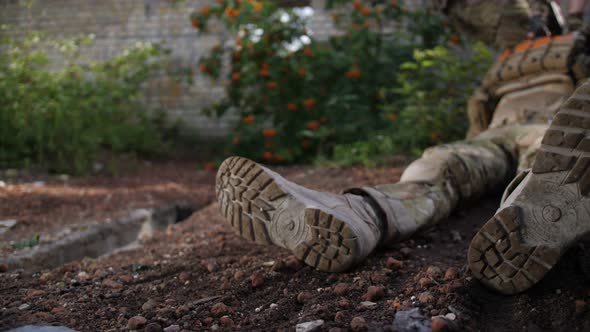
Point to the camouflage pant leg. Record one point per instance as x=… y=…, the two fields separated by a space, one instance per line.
x=451 y=174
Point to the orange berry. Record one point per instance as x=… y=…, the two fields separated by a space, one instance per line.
x=354 y=73
x=435 y=136
x=391 y=117
x=313 y=125
x=269 y=133
x=365 y=11
x=205 y=11
x=292 y=107
x=203 y=68
x=307 y=51
x=209 y=166
x=455 y=40
x=271 y=85
x=236 y=76
x=236 y=141
x=231 y=12
x=264 y=73
x=196 y=23
x=357 y=5
x=257 y=7
x=248 y=119
x=265 y=66
x=302 y=72
x=267 y=156
x=309 y=103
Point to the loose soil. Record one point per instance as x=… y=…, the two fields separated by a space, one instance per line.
x=199 y=275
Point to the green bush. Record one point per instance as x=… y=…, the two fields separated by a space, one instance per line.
x=299 y=97
x=64 y=119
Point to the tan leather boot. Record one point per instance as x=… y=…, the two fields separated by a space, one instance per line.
x=328 y=232
x=545 y=210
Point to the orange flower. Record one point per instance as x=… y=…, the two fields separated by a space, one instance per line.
x=323 y=119
x=236 y=56
x=205 y=11
x=271 y=85
x=264 y=66
x=264 y=73
x=313 y=125
x=307 y=51
x=306 y=143
x=357 y=4
x=302 y=72
x=203 y=68
x=267 y=156
x=236 y=76
x=231 y=12
x=269 y=133
x=257 y=6
x=435 y=136
x=354 y=73
x=365 y=11
x=209 y=166
x=309 y=103
x=236 y=141
x=248 y=119
x=455 y=40
x=292 y=107
x=391 y=117
x=196 y=23
x=279 y=157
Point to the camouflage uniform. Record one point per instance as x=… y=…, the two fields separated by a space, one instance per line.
x=508 y=116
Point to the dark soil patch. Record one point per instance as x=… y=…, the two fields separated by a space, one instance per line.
x=181 y=275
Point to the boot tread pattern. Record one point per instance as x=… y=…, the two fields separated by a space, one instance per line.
x=500 y=259
x=248 y=199
x=566 y=144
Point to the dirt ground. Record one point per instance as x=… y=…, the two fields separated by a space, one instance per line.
x=199 y=275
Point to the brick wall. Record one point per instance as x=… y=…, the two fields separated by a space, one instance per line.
x=118 y=24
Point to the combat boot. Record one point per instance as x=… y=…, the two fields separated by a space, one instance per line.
x=545 y=210
x=327 y=231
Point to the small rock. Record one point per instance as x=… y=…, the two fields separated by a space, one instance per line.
x=172 y=328
x=407 y=252
x=440 y=324
x=212 y=267
x=581 y=306
x=149 y=305
x=341 y=289
x=279 y=265
x=309 y=326
x=344 y=303
x=425 y=298
x=339 y=317
x=411 y=320
x=273 y=306
x=180 y=311
x=184 y=276
x=220 y=309
x=374 y=293
x=456 y=236
x=304 y=297
x=293 y=263
x=3 y=268
x=24 y=306
x=394 y=264
x=112 y=284
x=257 y=280
x=434 y=272
x=239 y=275
x=152 y=327
x=368 y=305
x=451 y=274
x=426 y=282
x=358 y=324
x=226 y=321
x=45 y=277
x=136 y=322
x=451 y=316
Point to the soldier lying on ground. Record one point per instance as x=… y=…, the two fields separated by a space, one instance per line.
x=544 y=210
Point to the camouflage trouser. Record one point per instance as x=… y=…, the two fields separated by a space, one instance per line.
x=503 y=23
x=453 y=174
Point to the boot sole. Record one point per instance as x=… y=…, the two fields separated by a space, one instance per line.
x=524 y=240
x=259 y=209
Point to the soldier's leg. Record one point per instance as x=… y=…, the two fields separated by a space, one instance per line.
x=546 y=212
